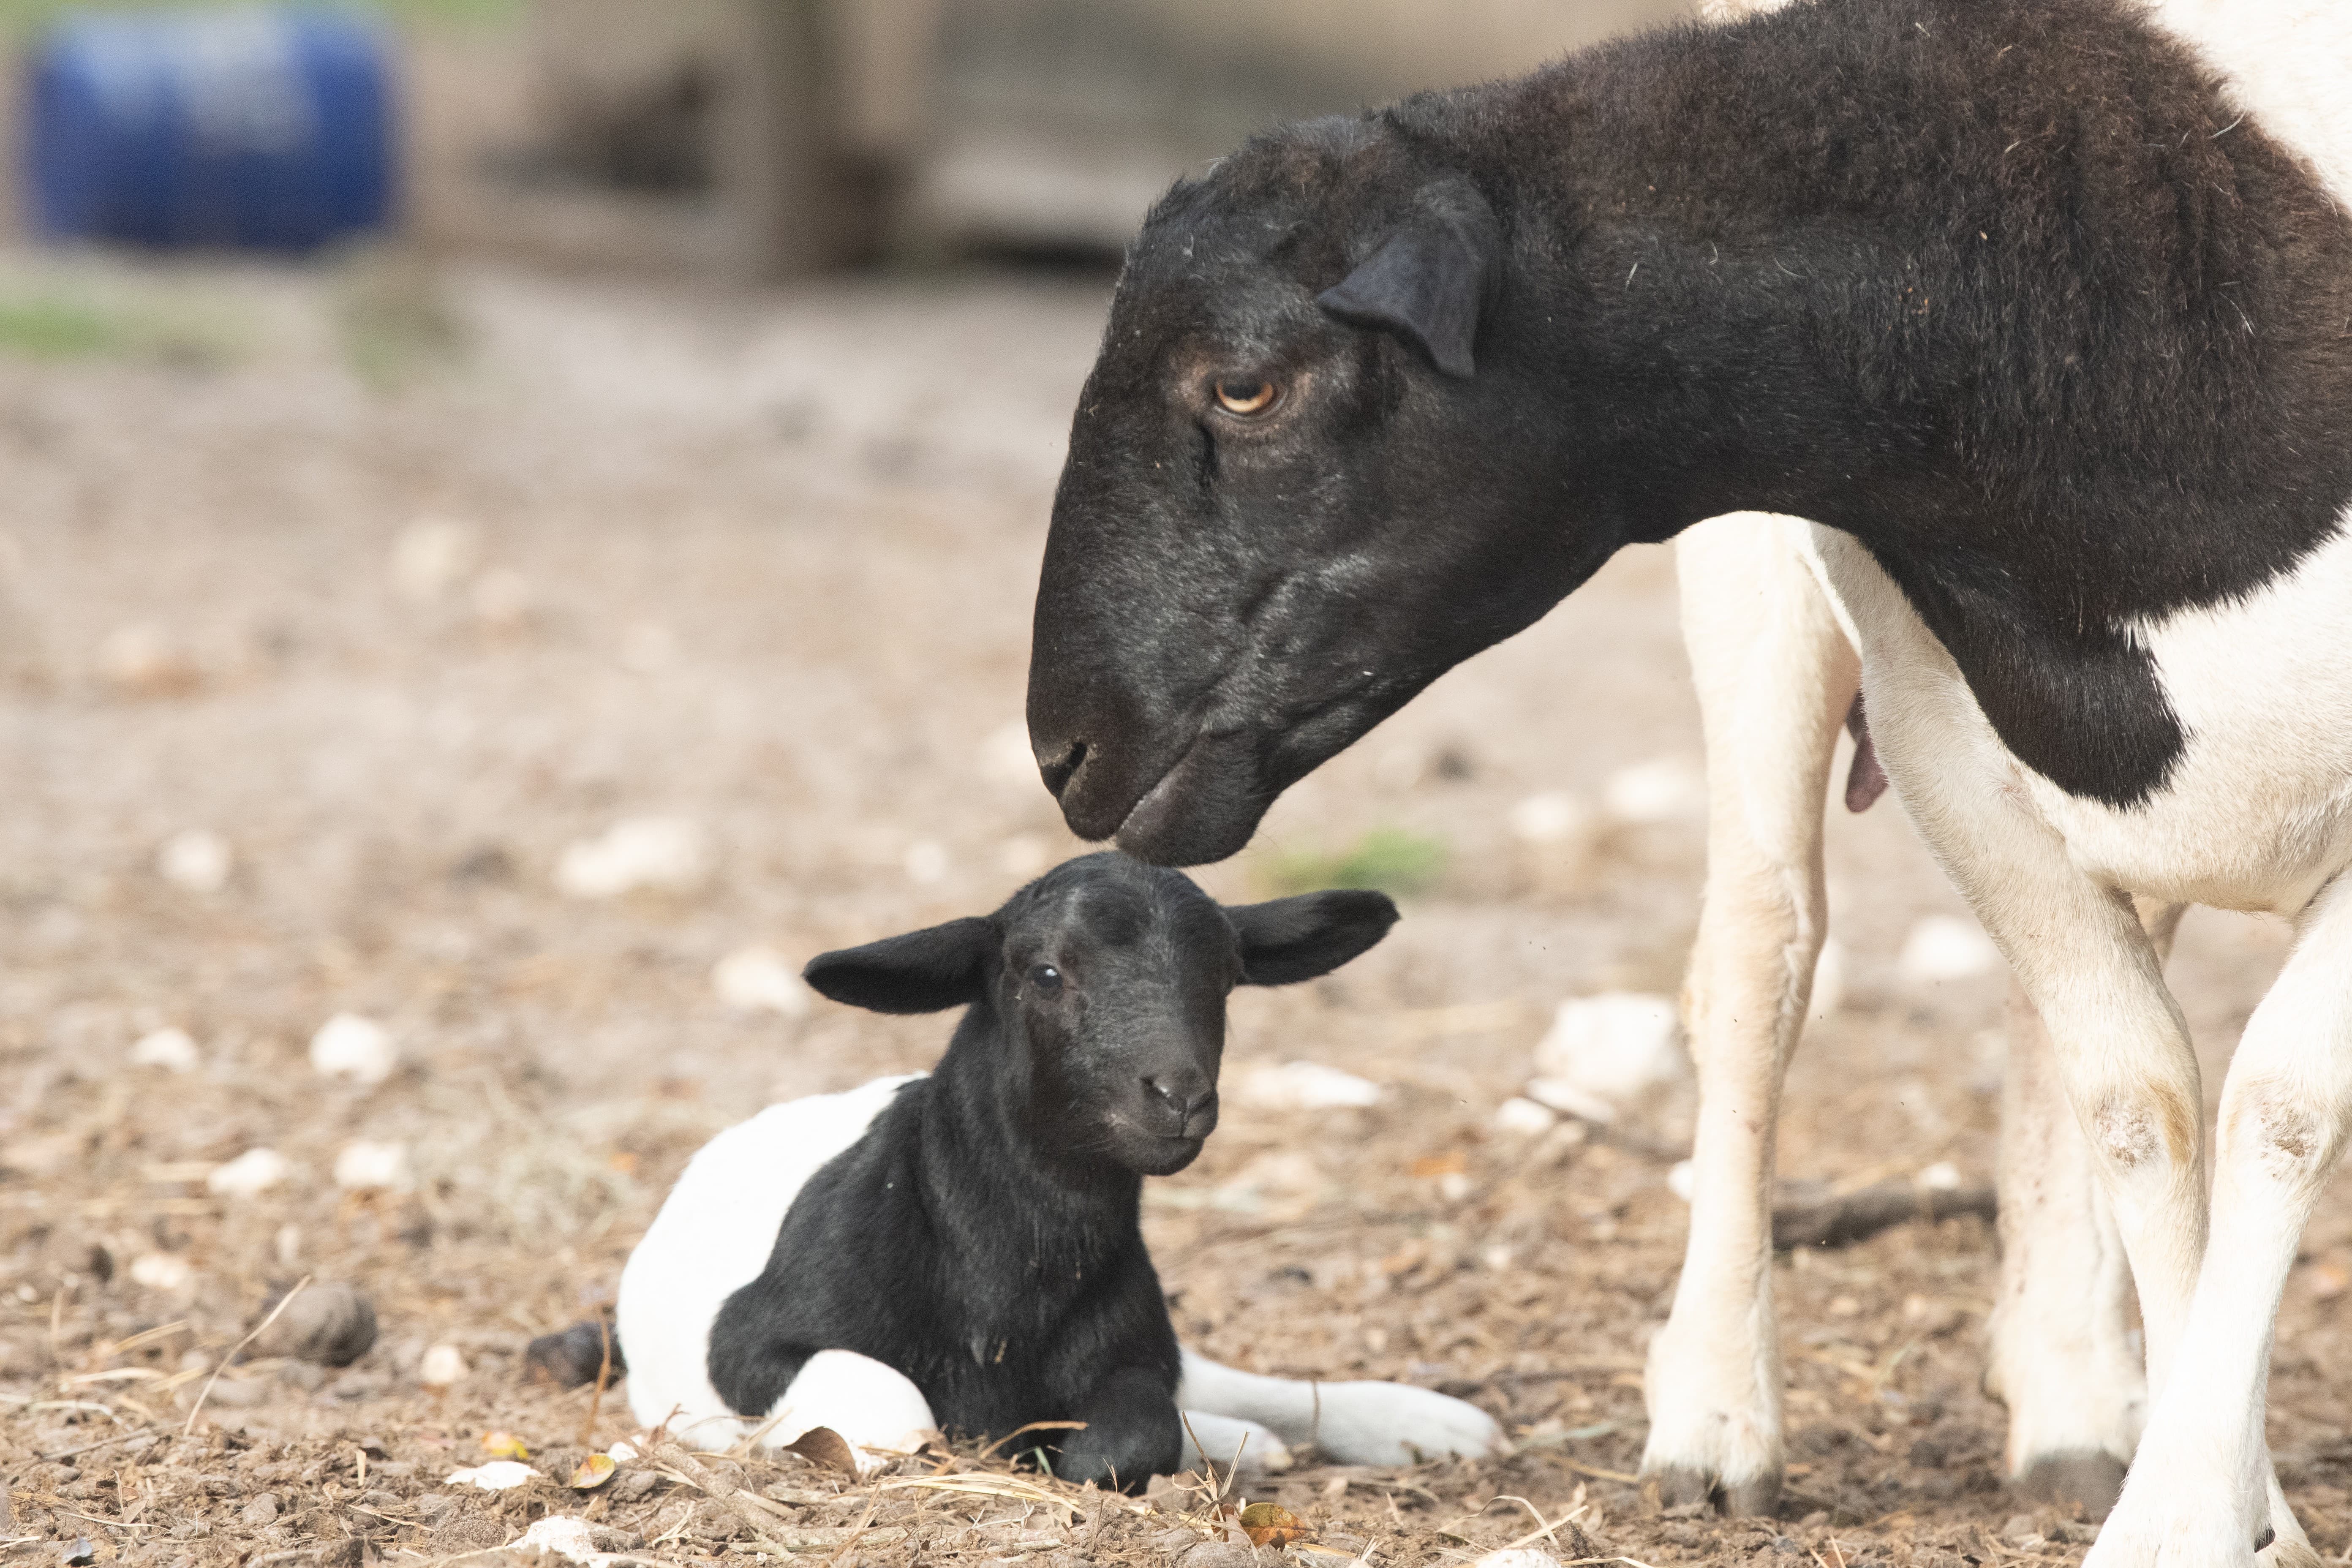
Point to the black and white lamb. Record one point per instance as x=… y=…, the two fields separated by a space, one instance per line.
x=961 y=1248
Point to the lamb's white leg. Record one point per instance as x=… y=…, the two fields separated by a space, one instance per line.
x=2202 y=1489
x=1230 y=1442
x=1775 y=676
x=1350 y=1423
x=876 y=1407
x=2062 y=1356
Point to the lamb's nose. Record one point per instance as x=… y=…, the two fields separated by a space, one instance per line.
x=1058 y=772
x=1186 y=1093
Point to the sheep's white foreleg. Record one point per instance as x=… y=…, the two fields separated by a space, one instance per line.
x=1350 y=1423
x=1776 y=675
x=1229 y=1443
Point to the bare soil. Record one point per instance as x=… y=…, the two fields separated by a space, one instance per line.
x=764 y=562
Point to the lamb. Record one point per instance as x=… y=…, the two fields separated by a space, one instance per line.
x=2033 y=311
x=962 y=1248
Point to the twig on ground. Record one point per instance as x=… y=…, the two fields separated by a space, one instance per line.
x=205 y=1393
x=1840 y=1220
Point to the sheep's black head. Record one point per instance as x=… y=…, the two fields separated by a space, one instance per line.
x=1318 y=463
x=1109 y=979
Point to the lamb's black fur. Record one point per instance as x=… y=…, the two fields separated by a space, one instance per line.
x=2005 y=289
x=982 y=1237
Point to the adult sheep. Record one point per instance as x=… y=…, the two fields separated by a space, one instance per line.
x=2035 y=308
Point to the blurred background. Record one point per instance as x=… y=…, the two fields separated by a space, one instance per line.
x=518 y=525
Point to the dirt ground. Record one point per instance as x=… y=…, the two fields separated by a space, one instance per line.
x=399 y=589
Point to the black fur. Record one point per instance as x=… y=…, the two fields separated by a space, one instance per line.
x=982 y=1236
x=2005 y=289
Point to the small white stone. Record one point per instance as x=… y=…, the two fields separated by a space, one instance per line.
x=1829 y=981
x=1551 y=817
x=1944 y=947
x=196 y=859
x=1664 y=789
x=498 y=1475
x=665 y=852
x=1683 y=1180
x=432 y=555
x=1567 y=1099
x=1304 y=1086
x=622 y=1452
x=758 y=980
x=927 y=862
x=165 y=1271
x=562 y=1535
x=1454 y=1187
x=1524 y=1118
x=349 y=1046
x=255 y=1171
x=1615 y=1048
x=1005 y=756
x=1943 y=1176
x=443 y=1367
x=171 y=1049
x=371 y=1167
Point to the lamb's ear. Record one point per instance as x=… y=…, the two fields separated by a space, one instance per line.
x=1432 y=278
x=921 y=972
x=1314 y=933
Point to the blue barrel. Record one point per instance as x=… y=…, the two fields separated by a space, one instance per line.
x=255 y=129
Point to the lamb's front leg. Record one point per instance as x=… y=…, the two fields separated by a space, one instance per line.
x=1132 y=1433
x=1776 y=677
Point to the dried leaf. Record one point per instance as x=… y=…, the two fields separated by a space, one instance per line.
x=504 y=1446
x=593 y=1472
x=826 y=1447
x=1451 y=1164
x=1271 y=1524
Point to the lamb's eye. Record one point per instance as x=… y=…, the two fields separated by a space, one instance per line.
x=1046 y=980
x=1245 y=397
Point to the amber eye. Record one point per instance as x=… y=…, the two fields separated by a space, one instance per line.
x=1245 y=395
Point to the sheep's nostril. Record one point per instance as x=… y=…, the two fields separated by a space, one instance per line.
x=1185 y=1098
x=1058 y=772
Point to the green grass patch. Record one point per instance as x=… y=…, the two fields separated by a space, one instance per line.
x=48 y=327
x=1394 y=861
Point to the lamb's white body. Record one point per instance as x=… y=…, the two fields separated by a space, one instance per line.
x=719 y=1224
x=2256 y=815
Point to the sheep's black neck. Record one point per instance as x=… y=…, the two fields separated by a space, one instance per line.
x=2032 y=314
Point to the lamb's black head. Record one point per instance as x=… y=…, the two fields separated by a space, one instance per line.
x=1317 y=464
x=1107 y=979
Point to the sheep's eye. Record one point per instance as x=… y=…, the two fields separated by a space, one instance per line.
x=1245 y=397
x=1046 y=980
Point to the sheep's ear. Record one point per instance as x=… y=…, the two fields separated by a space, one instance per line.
x=921 y=972
x=1432 y=278
x=1314 y=933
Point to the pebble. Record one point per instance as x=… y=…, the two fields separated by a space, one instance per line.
x=443 y=1367
x=262 y=1510
x=1614 y=1047
x=667 y=853
x=1664 y=789
x=330 y=1324
x=197 y=860
x=1553 y=818
x=349 y=1046
x=252 y=1173
x=758 y=980
x=146 y=661
x=1005 y=757
x=1944 y=947
x=1829 y=981
x=432 y=555
x=498 y=1476
x=1524 y=1118
x=370 y=1167
x=927 y=863
x=1304 y=1086
x=1683 y=1180
x=161 y=1271
x=171 y=1049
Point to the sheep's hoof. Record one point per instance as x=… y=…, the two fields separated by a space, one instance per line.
x=2090 y=1478
x=1679 y=1486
